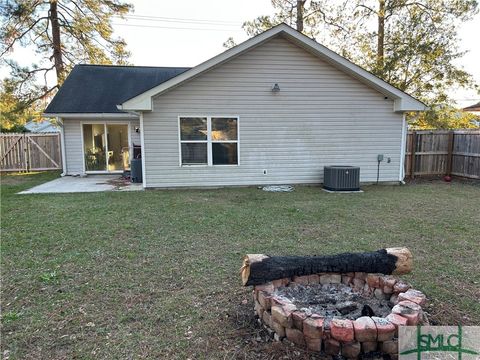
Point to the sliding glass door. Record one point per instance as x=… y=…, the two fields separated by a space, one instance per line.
x=118 y=147
x=106 y=147
x=95 y=147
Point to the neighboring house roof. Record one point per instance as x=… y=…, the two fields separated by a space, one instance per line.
x=473 y=108
x=99 y=88
x=402 y=101
x=41 y=126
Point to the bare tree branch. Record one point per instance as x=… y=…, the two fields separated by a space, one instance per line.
x=20 y=37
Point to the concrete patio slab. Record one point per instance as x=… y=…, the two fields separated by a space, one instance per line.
x=91 y=183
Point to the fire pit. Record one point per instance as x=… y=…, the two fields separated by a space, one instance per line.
x=354 y=314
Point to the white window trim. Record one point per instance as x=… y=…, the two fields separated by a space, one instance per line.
x=209 y=141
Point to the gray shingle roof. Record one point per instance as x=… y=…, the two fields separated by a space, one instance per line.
x=100 y=88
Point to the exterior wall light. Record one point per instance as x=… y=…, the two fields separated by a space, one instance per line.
x=275 y=88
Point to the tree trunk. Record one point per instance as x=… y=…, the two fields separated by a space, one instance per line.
x=258 y=268
x=381 y=34
x=300 y=5
x=56 y=42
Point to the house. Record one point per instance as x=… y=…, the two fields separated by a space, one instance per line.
x=475 y=110
x=43 y=126
x=273 y=110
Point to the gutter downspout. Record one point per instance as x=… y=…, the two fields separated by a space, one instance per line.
x=403 y=146
x=62 y=145
x=142 y=143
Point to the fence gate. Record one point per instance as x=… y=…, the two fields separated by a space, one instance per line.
x=30 y=152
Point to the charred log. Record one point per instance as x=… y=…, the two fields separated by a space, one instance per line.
x=258 y=268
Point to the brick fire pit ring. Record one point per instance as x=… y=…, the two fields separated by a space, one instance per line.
x=338 y=335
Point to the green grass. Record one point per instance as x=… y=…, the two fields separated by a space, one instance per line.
x=155 y=274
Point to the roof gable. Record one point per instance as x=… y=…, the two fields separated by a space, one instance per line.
x=402 y=101
x=99 y=88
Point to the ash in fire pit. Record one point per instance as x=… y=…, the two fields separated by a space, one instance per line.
x=340 y=313
x=345 y=304
x=333 y=300
x=352 y=314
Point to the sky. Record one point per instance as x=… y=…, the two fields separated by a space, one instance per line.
x=188 y=32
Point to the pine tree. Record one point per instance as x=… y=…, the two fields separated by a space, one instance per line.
x=412 y=44
x=62 y=33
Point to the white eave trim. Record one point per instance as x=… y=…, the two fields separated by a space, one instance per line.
x=402 y=101
x=91 y=116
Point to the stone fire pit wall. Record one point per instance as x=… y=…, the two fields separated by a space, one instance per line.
x=350 y=338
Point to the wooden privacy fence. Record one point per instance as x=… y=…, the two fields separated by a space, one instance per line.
x=443 y=152
x=30 y=152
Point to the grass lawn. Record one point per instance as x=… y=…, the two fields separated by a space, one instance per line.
x=155 y=274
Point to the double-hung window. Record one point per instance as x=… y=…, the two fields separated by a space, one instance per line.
x=210 y=140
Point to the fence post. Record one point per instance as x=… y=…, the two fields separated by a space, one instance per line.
x=413 y=144
x=29 y=153
x=450 y=153
x=59 y=147
x=25 y=151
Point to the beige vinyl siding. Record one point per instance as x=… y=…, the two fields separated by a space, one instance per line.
x=135 y=135
x=73 y=146
x=73 y=141
x=320 y=117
